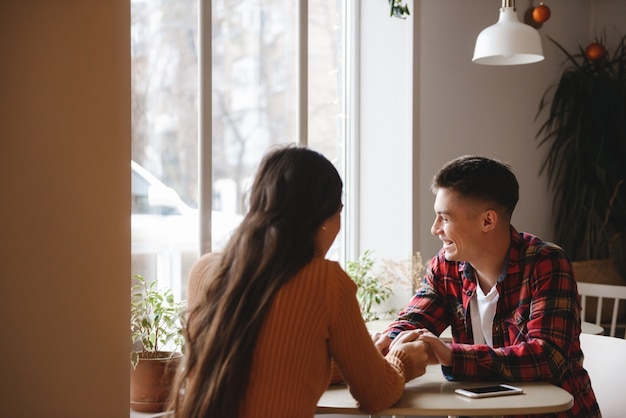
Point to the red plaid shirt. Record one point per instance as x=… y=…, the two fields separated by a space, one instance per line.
x=536 y=326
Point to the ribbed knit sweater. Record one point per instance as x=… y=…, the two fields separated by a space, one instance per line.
x=314 y=318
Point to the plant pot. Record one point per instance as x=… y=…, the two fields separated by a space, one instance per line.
x=603 y=272
x=151 y=382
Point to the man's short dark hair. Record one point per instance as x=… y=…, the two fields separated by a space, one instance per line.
x=480 y=178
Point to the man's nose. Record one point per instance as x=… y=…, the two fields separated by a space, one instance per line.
x=434 y=228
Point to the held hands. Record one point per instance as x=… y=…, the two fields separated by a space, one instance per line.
x=408 y=342
x=437 y=350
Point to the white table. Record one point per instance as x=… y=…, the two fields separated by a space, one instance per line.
x=431 y=394
x=605 y=360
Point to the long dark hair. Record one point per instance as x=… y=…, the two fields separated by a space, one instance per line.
x=295 y=190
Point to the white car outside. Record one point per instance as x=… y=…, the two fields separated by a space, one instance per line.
x=165 y=232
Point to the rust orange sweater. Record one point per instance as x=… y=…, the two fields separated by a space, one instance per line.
x=314 y=318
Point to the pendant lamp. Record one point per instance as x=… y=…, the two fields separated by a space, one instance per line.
x=508 y=42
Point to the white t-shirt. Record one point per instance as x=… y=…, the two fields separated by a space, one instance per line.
x=482 y=311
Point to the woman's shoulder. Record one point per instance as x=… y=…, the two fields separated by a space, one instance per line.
x=326 y=265
x=205 y=265
x=201 y=273
x=329 y=271
x=208 y=259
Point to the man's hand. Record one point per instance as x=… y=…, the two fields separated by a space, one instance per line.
x=439 y=350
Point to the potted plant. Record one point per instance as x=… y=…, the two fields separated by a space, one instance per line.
x=156 y=326
x=585 y=132
x=373 y=289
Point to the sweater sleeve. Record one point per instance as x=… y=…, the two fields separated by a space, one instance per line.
x=375 y=382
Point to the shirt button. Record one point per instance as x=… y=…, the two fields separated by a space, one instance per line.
x=468 y=293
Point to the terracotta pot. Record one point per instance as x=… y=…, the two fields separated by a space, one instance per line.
x=151 y=382
x=603 y=272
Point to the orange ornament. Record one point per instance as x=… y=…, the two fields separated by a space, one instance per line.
x=541 y=13
x=595 y=51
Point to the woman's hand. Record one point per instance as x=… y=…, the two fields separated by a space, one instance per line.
x=382 y=342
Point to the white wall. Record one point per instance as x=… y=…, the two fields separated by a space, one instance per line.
x=385 y=129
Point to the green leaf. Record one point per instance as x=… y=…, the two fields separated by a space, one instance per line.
x=134 y=359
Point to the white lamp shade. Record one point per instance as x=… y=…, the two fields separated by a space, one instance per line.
x=508 y=42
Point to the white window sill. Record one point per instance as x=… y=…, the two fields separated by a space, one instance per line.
x=135 y=414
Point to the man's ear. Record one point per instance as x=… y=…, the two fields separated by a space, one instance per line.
x=490 y=220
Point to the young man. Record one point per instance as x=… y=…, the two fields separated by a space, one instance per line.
x=510 y=298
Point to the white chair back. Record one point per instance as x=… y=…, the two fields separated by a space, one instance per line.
x=602 y=292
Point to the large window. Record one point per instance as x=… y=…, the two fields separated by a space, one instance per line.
x=256 y=102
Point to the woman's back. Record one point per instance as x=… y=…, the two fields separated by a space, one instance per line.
x=291 y=364
x=314 y=314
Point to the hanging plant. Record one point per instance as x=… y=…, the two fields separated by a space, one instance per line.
x=585 y=132
x=398 y=9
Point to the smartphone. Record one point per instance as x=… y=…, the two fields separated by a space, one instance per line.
x=487 y=391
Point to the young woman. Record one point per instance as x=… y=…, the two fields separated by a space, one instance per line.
x=269 y=313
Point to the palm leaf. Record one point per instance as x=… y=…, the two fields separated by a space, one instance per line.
x=585 y=133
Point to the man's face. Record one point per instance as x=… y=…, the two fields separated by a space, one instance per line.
x=458 y=224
